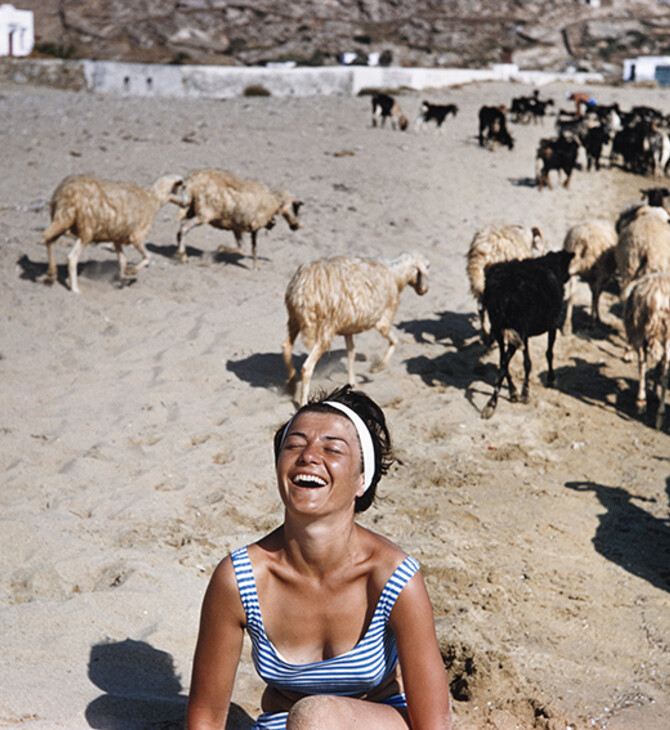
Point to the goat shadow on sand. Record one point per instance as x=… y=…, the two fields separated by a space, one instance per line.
x=630 y=536
x=94 y=270
x=141 y=690
x=461 y=367
x=223 y=256
x=523 y=182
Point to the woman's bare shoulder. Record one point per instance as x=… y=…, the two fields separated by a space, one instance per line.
x=385 y=555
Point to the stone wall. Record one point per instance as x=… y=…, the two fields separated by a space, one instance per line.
x=224 y=82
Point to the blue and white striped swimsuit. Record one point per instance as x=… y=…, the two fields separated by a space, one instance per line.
x=359 y=670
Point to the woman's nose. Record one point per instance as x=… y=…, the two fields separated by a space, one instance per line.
x=308 y=453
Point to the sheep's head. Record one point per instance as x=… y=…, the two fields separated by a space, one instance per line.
x=290 y=210
x=170 y=189
x=419 y=277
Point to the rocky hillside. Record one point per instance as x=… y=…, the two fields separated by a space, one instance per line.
x=532 y=33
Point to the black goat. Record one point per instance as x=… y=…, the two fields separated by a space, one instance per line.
x=524 y=299
x=556 y=154
x=385 y=106
x=493 y=127
x=435 y=113
x=594 y=140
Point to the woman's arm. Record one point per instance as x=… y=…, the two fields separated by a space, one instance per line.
x=423 y=673
x=217 y=652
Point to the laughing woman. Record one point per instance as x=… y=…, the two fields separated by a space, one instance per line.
x=340 y=621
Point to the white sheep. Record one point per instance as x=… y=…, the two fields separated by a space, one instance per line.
x=644 y=244
x=492 y=245
x=647 y=323
x=593 y=243
x=225 y=201
x=95 y=210
x=346 y=296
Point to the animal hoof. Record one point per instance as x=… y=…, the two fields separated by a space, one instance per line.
x=524 y=398
x=488 y=410
x=514 y=398
x=49 y=280
x=641 y=406
x=181 y=257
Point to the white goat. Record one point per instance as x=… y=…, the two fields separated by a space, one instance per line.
x=593 y=243
x=647 y=322
x=644 y=244
x=346 y=296
x=492 y=245
x=95 y=210
x=224 y=201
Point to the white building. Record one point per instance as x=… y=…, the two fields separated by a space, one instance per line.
x=17 y=31
x=647 y=68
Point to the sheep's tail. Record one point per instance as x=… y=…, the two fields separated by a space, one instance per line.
x=63 y=219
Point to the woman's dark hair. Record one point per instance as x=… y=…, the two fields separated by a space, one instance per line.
x=373 y=417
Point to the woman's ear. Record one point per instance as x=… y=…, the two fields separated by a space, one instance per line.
x=361 y=489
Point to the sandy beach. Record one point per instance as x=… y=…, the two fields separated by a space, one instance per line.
x=136 y=422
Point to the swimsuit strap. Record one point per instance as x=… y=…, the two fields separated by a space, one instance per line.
x=247 y=585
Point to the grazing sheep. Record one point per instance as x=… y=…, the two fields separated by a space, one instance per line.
x=644 y=244
x=95 y=210
x=647 y=322
x=492 y=245
x=593 y=243
x=224 y=201
x=346 y=296
x=523 y=299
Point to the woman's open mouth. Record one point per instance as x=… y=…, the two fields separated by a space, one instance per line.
x=309 y=481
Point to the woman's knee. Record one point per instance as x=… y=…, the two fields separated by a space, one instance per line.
x=316 y=712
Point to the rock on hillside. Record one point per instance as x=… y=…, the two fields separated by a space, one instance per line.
x=533 y=33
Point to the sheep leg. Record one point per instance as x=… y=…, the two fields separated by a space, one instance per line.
x=146 y=258
x=567 y=325
x=308 y=369
x=487 y=340
x=287 y=351
x=527 y=365
x=238 y=241
x=505 y=357
x=393 y=343
x=660 y=413
x=185 y=226
x=351 y=357
x=123 y=263
x=596 y=289
x=253 y=248
x=72 y=261
x=641 y=402
x=52 y=269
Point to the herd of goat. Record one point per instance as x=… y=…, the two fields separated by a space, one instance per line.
x=519 y=288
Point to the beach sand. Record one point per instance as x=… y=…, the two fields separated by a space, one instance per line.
x=137 y=422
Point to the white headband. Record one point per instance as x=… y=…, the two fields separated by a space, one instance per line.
x=363 y=436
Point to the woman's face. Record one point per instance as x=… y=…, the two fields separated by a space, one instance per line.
x=319 y=466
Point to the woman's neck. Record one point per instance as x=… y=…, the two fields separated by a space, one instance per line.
x=320 y=546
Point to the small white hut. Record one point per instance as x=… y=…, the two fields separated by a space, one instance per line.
x=647 y=68
x=17 y=31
